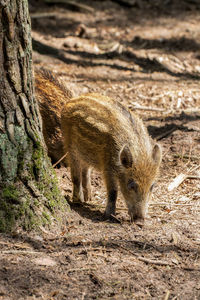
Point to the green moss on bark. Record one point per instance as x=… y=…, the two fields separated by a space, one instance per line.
x=34 y=199
x=47 y=182
x=10 y=193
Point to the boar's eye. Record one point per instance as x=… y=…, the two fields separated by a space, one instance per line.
x=132 y=185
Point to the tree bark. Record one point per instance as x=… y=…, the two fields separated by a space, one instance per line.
x=29 y=195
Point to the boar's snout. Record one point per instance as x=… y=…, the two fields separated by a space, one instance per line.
x=137 y=219
x=138 y=214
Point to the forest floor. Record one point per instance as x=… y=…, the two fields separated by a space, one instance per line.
x=147 y=56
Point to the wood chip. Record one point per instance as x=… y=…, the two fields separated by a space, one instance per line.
x=176 y=181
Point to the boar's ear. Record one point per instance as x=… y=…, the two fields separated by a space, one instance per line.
x=126 y=157
x=157 y=153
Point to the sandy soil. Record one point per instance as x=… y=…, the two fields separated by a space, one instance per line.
x=147 y=56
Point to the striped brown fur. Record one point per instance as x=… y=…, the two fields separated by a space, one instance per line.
x=52 y=94
x=99 y=132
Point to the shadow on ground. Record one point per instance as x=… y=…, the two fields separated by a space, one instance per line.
x=148 y=65
x=87 y=211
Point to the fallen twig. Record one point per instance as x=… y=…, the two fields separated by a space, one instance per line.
x=43 y=15
x=5 y=243
x=177 y=181
x=81 y=269
x=167 y=295
x=183 y=204
x=180 y=178
x=137 y=106
x=147 y=260
x=193 y=169
x=193 y=177
x=115 y=218
x=99 y=248
x=60 y=160
x=191 y=269
x=74 y=3
x=155 y=262
x=20 y=252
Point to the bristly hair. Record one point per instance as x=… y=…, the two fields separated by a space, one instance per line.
x=145 y=170
x=52 y=77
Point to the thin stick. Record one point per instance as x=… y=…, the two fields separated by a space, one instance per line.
x=60 y=160
x=80 y=269
x=5 y=243
x=100 y=248
x=83 y=296
x=193 y=177
x=194 y=169
x=155 y=262
x=167 y=295
x=137 y=106
x=20 y=252
x=147 y=260
x=183 y=204
x=74 y=3
x=43 y=15
x=191 y=269
x=118 y=220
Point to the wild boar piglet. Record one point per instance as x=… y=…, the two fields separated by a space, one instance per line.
x=99 y=132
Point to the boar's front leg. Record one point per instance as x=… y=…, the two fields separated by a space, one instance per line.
x=111 y=185
x=86 y=184
x=75 y=166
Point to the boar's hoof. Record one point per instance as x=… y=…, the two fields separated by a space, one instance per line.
x=139 y=222
x=77 y=200
x=110 y=217
x=87 y=196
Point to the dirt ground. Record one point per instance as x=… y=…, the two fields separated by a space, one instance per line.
x=147 y=56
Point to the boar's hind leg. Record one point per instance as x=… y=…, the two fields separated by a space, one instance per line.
x=75 y=167
x=111 y=185
x=86 y=183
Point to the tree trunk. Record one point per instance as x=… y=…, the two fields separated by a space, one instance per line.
x=29 y=195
